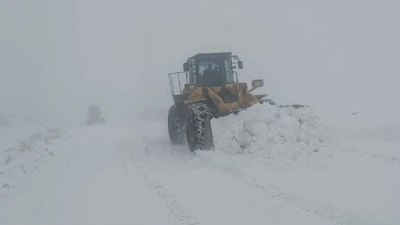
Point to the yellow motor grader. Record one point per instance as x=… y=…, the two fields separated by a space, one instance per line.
x=207 y=88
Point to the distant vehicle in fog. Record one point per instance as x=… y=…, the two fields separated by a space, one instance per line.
x=95 y=117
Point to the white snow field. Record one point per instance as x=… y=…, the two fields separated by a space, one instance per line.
x=270 y=166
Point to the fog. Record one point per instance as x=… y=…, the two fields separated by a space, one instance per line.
x=59 y=57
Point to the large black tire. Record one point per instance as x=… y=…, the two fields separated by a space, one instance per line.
x=198 y=127
x=176 y=126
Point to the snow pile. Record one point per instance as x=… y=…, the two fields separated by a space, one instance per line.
x=18 y=161
x=274 y=134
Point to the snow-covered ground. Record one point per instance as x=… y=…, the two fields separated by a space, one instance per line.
x=270 y=166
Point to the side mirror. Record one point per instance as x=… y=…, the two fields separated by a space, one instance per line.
x=256 y=84
x=185 y=66
x=240 y=64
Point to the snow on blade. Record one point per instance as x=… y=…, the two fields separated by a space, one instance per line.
x=278 y=135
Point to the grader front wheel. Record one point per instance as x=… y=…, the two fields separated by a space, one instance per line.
x=176 y=126
x=198 y=127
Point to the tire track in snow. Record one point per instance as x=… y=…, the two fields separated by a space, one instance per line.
x=177 y=211
x=321 y=210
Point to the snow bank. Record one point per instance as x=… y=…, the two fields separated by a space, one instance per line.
x=24 y=158
x=273 y=134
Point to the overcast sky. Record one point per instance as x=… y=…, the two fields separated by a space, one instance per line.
x=58 y=57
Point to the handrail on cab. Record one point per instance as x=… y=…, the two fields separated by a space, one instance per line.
x=178 y=77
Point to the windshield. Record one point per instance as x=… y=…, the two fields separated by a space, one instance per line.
x=214 y=72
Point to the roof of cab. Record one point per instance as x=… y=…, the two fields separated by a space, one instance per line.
x=212 y=55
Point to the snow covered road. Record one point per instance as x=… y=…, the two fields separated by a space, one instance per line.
x=131 y=174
